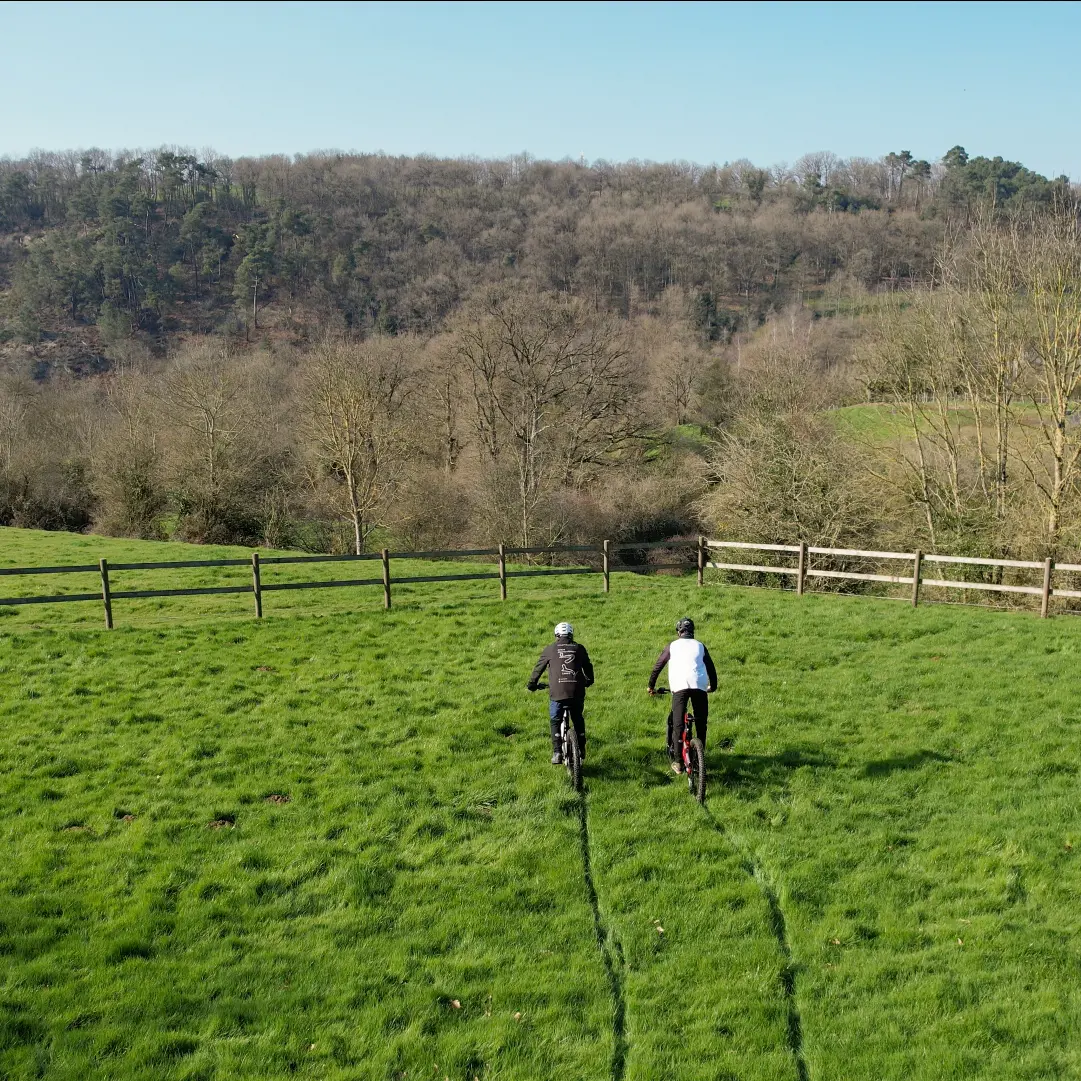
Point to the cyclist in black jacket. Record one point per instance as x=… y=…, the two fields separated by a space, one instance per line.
x=570 y=671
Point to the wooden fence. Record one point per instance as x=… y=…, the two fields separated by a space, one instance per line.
x=105 y=572
x=915 y=578
x=704 y=552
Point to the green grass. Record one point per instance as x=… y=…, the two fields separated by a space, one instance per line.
x=875 y=421
x=885 y=422
x=884 y=882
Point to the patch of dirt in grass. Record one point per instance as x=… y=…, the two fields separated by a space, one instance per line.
x=278 y=798
x=225 y=823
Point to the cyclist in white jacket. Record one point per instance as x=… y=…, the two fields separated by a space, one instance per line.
x=691 y=675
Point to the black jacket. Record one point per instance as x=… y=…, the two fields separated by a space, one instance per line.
x=570 y=670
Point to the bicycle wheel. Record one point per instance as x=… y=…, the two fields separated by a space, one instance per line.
x=696 y=771
x=572 y=758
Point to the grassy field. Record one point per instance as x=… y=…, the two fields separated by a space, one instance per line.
x=329 y=844
x=885 y=422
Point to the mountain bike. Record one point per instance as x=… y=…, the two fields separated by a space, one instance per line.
x=572 y=753
x=693 y=751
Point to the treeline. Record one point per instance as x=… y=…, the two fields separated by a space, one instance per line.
x=98 y=248
x=973 y=444
x=338 y=351
x=532 y=418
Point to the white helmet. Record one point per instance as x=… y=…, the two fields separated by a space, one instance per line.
x=564 y=630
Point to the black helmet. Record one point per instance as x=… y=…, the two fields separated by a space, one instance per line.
x=685 y=626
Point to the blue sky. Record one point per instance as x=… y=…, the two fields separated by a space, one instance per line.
x=701 y=82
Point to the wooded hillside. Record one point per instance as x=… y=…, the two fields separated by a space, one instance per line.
x=310 y=350
x=102 y=247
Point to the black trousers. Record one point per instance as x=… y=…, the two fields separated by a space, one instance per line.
x=699 y=704
x=576 y=706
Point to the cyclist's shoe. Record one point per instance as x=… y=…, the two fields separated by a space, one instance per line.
x=557 y=759
x=677 y=767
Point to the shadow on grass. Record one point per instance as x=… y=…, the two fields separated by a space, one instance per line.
x=747 y=774
x=883 y=767
x=752 y=773
x=649 y=769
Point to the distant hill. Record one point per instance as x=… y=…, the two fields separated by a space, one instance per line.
x=98 y=248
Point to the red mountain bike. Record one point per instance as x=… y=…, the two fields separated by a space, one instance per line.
x=694 y=755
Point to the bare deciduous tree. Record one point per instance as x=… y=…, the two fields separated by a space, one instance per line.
x=913 y=360
x=128 y=461
x=981 y=301
x=786 y=476
x=215 y=458
x=355 y=428
x=446 y=395
x=552 y=387
x=1048 y=257
x=672 y=357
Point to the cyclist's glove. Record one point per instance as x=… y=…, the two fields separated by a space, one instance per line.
x=530 y=686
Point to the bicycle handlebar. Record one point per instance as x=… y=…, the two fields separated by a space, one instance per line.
x=661 y=691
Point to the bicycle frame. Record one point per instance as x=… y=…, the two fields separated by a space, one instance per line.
x=685 y=739
x=690 y=750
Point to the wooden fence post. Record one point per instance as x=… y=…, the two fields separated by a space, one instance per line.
x=801 y=570
x=701 y=560
x=605 y=566
x=1045 y=601
x=386 y=578
x=106 y=594
x=917 y=568
x=256 y=585
x=502 y=572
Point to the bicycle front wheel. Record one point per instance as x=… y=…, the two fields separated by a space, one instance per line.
x=696 y=770
x=572 y=758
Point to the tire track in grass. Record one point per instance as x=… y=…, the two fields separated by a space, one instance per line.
x=610 y=948
x=779 y=927
x=788 y=973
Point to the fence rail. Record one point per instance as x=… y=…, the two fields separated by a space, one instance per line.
x=107 y=594
x=1046 y=591
x=703 y=548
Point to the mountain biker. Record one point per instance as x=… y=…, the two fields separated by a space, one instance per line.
x=691 y=675
x=570 y=671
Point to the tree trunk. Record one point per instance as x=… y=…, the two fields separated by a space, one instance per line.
x=354 y=512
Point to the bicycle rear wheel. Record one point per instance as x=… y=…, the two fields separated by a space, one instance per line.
x=696 y=770
x=572 y=758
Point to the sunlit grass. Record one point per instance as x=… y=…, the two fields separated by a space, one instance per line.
x=884 y=882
